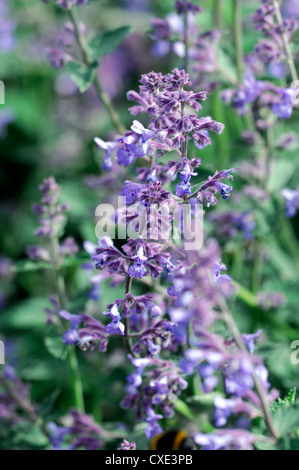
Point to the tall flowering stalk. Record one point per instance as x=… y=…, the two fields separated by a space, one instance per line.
x=52 y=221
x=58 y=57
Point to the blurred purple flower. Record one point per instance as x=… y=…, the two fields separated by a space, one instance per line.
x=292 y=201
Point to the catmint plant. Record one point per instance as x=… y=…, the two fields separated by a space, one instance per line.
x=173 y=324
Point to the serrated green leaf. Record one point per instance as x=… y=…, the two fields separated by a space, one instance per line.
x=285 y=402
x=286 y=420
x=105 y=43
x=81 y=75
x=55 y=345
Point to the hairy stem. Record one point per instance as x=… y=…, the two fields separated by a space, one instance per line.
x=286 y=44
x=186 y=39
x=238 y=38
x=218 y=14
x=126 y=320
x=103 y=96
x=232 y=326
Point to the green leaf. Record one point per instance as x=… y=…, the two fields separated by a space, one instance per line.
x=265 y=445
x=55 y=345
x=33 y=438
x=205 y=400
x=285 y=402
x=283 y=171
x=184 y=409
x=227 y=66
x=27 y=314
x=103 y=44
x=48 y=402
x=24 y=266
x=286 y=420
x=81 y=75
x=245 y=295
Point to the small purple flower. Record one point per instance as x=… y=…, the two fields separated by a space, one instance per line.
x=224 y=189
x=57 y=58
x=224 y=408
x=209 y=379
x=284 y=108
x=137 y=269
x=38 y=253
x=125 y=445
x=292 y=201
x=57 y=435
x=249 y=340
x=226 y=439
x=217 y=268
x=184 y=187
x=271 y=300
x=131 y=191
x=7 y=29
x=109 y=148
x=239 y=378
x=153 y=428
x=115 y=327
x=127 y=154
x=71 y=336
x=140 y=129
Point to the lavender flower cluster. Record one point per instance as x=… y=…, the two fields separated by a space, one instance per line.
x=173 y=33
x=52 y=220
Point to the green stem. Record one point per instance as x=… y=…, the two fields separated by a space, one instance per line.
x=218 y=14
x=256 y=277
x=238 y=38
x=126 y=320
x=248 y=119
x=103 y=96
x=256 y=281
x=286 y=44
x=232 y=326
x=288 y=237
x=186 y=39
